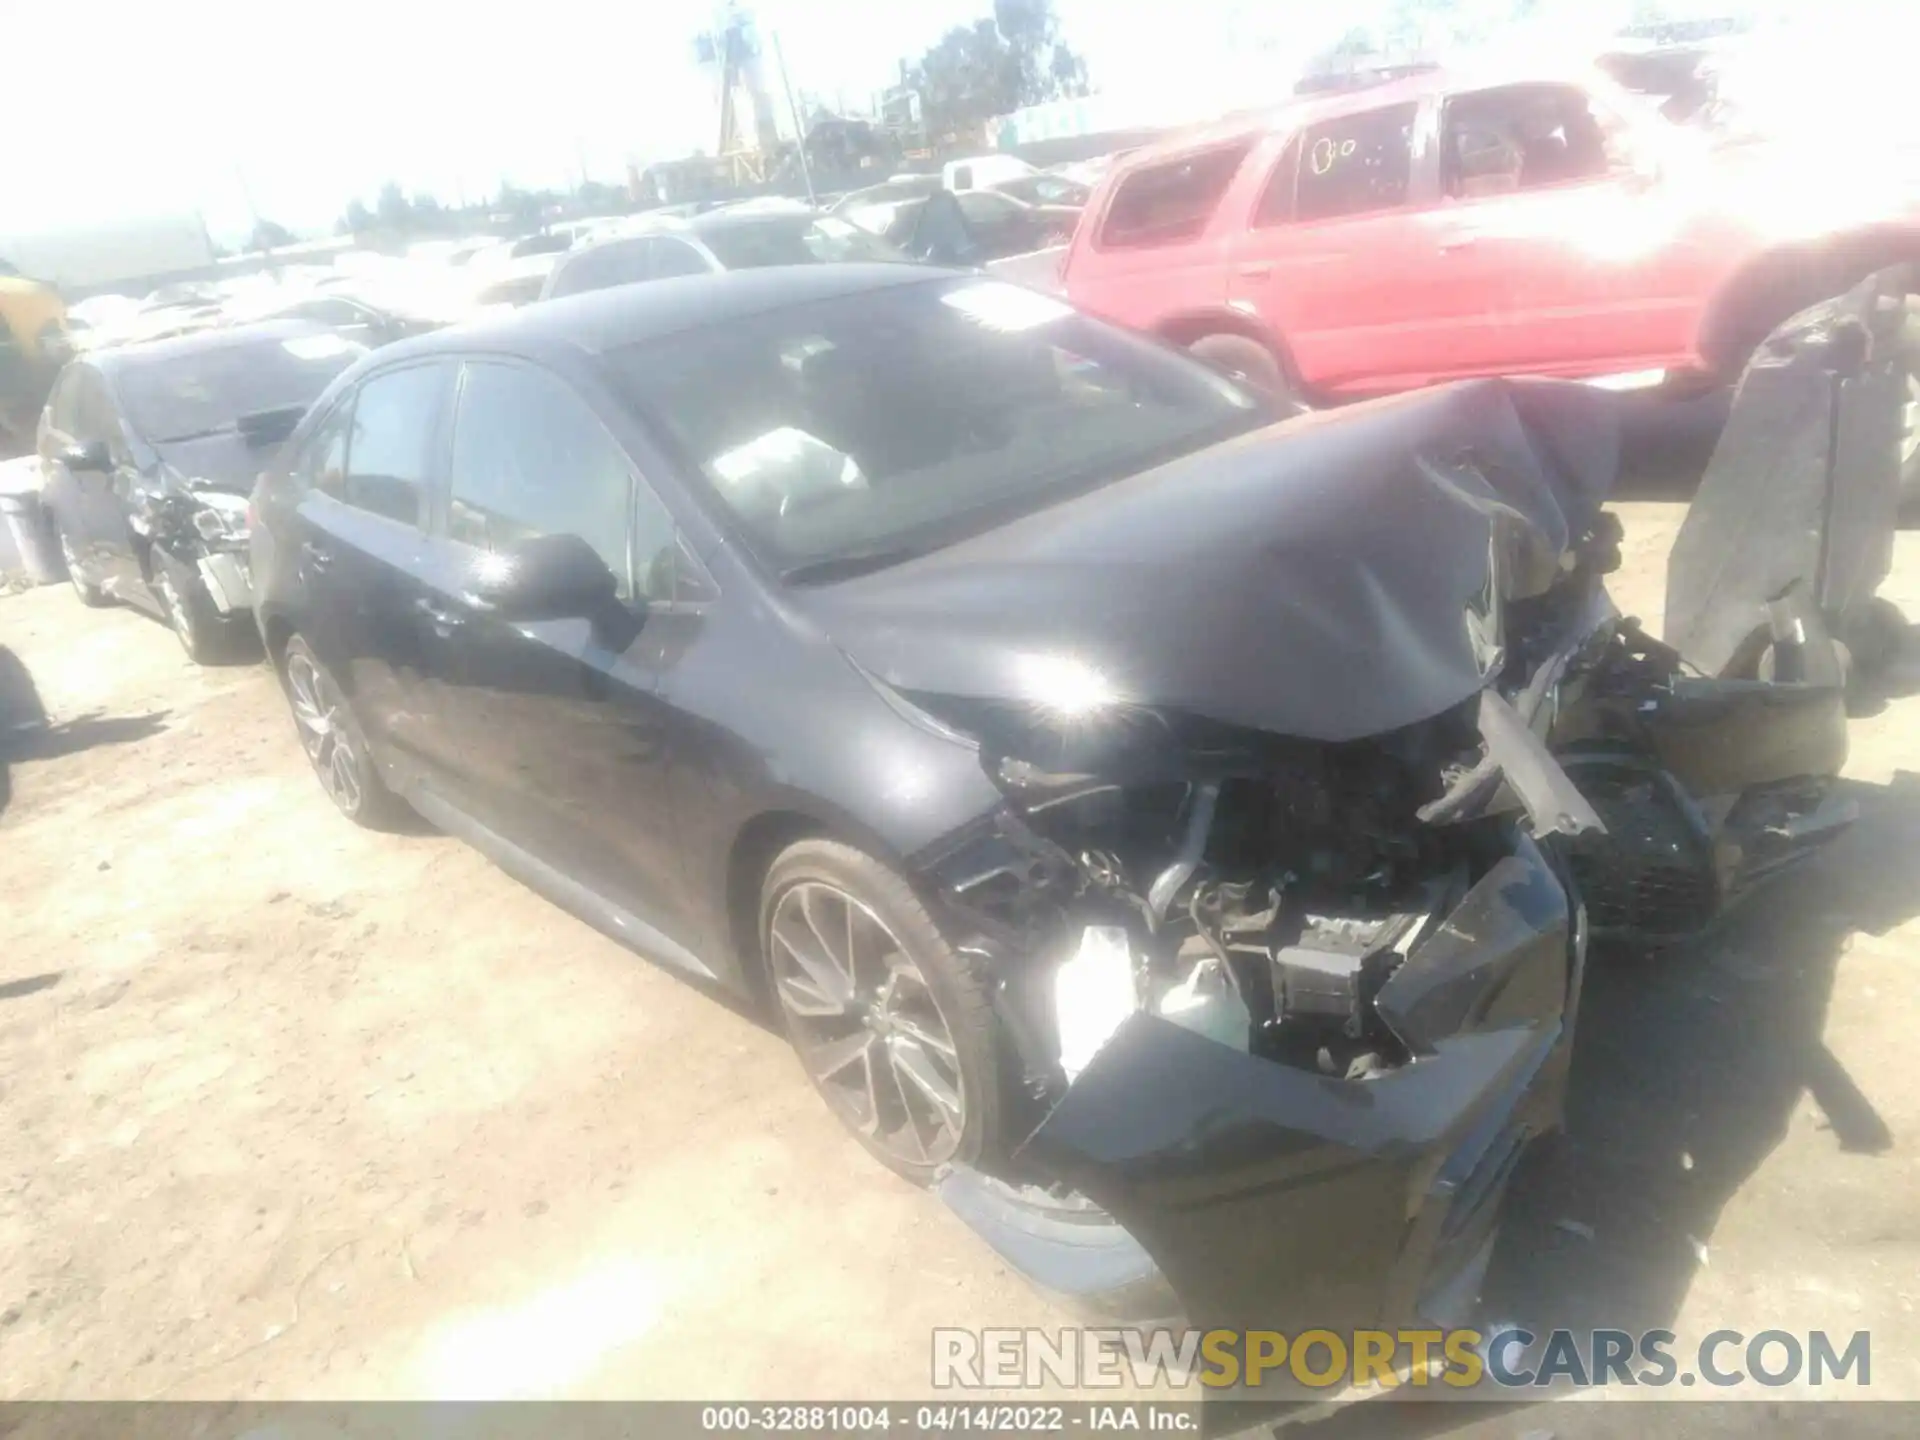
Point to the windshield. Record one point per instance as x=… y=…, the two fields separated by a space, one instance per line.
x=202 y=391
x=1045 y=190
x=895 y=420
x=791 y=240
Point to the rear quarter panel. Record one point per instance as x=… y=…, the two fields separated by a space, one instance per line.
x=1146 y=286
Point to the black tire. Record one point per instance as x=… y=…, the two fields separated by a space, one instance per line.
x=1876 y=633
x=1248 y=361
x=340 y=749
x=189 y=611
x=811 y=871
x=91 y=595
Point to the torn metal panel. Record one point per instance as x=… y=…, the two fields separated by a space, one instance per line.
x=1802 y=492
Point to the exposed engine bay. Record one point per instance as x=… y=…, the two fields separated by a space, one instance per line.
x=1264 y=908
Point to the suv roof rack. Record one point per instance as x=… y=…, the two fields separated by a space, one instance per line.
x=1328 y=82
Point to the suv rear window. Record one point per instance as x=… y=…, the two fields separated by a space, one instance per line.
x=1170 y=202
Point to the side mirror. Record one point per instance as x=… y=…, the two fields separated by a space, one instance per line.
x=547 y=577
x=90 y=456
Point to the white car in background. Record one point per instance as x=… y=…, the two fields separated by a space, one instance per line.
x=983 y=172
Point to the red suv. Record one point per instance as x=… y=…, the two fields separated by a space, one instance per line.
x=1430 y=227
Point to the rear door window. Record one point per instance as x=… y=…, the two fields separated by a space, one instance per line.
x=322 y=462
x=621 y=262
x=1276 y=201
x=392 y=442
x=1170 y=202
x=669 y=257
x=1356 y=165
x=531 y=458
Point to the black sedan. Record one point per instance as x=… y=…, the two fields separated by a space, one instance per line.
x=1002 y=699
x=148 y=453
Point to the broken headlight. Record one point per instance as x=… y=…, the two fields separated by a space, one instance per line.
x=1103 y=982
x=219 y=516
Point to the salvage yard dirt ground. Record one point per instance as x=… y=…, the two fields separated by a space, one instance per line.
x=291 y=1109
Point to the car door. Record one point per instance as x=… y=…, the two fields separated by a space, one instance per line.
x=54 y=438
x=1332 y=257
x=559 y=727
x=1559 y=249
x=109 y=500
x=358 y=535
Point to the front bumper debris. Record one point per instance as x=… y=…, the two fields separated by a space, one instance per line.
x=228 y=582
x=1234 y=1191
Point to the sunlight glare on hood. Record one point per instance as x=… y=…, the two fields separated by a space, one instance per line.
x=1065 y=687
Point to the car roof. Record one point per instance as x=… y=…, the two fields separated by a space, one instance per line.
x=597 y=321
x=219 y=337
x=1319 y=106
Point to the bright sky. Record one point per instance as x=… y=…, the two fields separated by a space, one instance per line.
x=163 y=106
x=119 y=108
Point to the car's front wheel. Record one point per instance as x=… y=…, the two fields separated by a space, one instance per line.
x=206 y=635
x=893 y=1026
x=335 y=744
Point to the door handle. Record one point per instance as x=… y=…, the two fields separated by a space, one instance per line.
x=1256 y=272
x=316 y=557
x=444 y=620
x=1465 y=242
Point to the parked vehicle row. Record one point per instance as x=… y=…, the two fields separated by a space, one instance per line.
x=1448 y=225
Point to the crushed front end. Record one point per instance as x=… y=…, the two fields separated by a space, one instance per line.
x=1282 y=1040
x=206 y=530
x=1315 y=752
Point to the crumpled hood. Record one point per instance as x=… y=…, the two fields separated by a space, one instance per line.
x=1330 y=578
x=226 y=461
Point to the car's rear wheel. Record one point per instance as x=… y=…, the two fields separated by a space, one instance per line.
x=335 y=744
x=89 y=593
x=893 y=1026
x=1249 y=362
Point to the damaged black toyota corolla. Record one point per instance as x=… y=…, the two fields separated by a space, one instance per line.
x=149 y=452
x=1145 y=816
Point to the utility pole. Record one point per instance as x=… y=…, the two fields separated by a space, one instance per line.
x=799 y=126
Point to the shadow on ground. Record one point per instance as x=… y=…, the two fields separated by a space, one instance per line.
x=27 y=734
x=1687 y=1071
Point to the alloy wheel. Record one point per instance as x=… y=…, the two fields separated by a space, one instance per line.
x=866 y=1023
x=319 y=711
